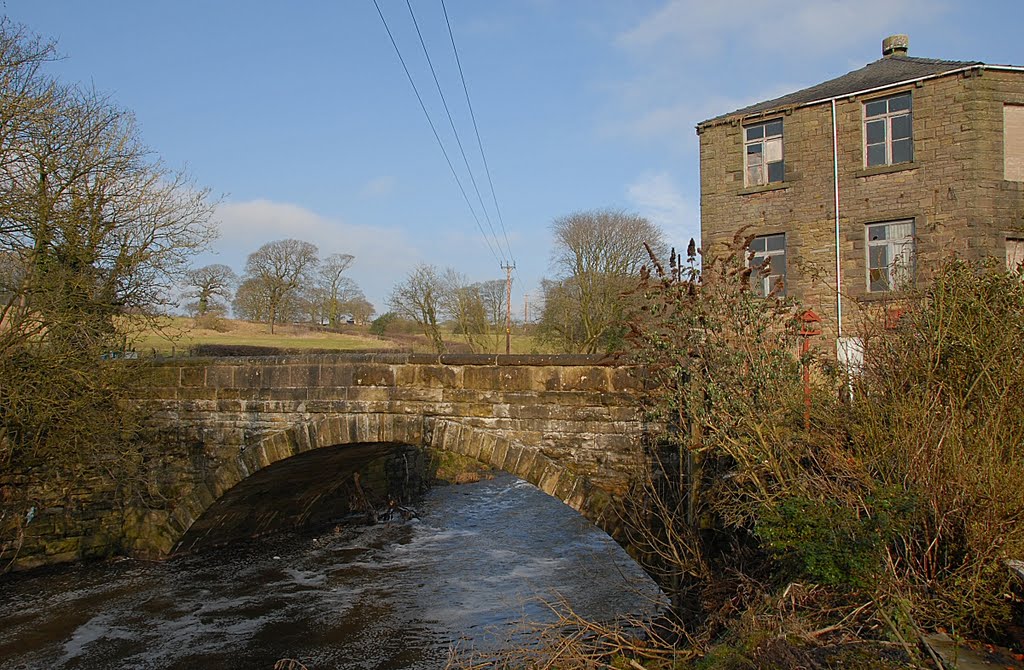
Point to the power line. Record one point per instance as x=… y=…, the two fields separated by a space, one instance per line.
x=451 y=122
x=476 y=129
x=434 y=130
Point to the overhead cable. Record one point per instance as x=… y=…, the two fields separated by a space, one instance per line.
x=451 y=122
x=476 y=129
x=436 y=135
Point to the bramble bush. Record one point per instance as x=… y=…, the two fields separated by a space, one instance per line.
x=890 y=515
x=897 y=507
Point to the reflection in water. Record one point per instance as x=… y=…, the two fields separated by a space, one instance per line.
x=387 y=596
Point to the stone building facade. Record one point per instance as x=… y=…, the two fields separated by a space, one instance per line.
x=860 y=186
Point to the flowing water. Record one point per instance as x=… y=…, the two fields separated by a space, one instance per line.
x=479 y=561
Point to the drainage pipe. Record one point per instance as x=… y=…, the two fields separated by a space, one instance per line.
x=835 y=193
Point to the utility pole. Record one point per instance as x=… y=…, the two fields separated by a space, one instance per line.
x=508 y=306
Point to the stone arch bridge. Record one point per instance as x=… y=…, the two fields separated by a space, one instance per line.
x=250 y=444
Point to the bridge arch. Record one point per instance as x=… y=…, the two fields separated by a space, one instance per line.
x=383 y=431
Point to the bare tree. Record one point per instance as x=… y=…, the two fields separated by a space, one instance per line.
x=419 y=298
x=597 y=255
x=94 y=233
x=207 y=284
x=281 y=267
x=361 y=309
x=312 y=303
x=560 y=324
x=337 y=288
x=463 y=304
x=250 y=301
x=492 y=293
x=100 y=227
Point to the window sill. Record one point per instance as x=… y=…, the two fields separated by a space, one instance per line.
x=777 y=186
x=885 y=169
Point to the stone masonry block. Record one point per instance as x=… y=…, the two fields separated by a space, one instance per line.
x=487 y=445
x=584 y=379
x=246 y=376
x=525 y=464
x=417 y=394
x=373 y=375
x=220 y=376
x=304 y=375
x=335 y=375
x=192 y=376
x=482 y=378
x=539 y=468
x=408 y=429
x=568 y=483
x=497 y=457
x=370 y=393
x=513 y=455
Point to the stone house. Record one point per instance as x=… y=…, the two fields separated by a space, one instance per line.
x=861 y=185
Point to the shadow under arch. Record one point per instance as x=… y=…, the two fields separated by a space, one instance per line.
x=358 y=439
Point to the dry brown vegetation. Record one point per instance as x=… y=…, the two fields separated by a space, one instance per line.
x=838 y=545
x=179 y=334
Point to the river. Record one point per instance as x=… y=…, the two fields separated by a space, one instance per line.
x=478 y=562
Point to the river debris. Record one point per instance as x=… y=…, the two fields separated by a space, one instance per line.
x=289 y=664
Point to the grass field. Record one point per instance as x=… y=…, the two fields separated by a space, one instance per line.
x=179 y=334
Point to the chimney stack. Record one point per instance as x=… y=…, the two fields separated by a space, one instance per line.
x=895 y=45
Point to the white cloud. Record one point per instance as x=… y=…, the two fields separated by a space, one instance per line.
x=656 y=196
x=378 y=187
x=674 y=123
x=245 y=226
x=694 y=59
x=797 y=27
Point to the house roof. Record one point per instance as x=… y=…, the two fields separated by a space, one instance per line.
x=883 y=72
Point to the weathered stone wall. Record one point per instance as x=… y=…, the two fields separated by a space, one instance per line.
x=954 y=188
x=570 y=424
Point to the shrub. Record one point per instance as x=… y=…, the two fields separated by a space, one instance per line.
x=379 y=326
x=939 y=412
x=906 y=496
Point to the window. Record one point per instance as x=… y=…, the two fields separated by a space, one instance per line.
x=768 y=262
x=887 y=131
x=763 y=152
x=890 y=255
x=1014 y=255
x=1013 y=142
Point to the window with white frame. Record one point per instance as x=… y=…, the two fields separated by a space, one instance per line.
x=888 y=131
x=762 y=146
x=1015 y=255
x=1013 y=142
x=767 y=258
x=890 y=255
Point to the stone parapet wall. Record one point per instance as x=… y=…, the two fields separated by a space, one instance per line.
x=570 y=424
x=578 y=408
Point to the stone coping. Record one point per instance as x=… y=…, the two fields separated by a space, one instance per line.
x=391 y=358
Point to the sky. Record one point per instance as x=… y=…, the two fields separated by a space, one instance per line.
x=299 y=118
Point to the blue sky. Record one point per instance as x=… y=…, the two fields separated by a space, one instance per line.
x=299 y=113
